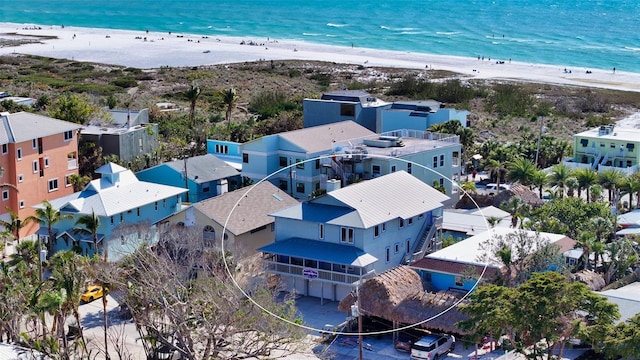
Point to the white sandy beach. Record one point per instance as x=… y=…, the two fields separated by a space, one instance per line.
x=153 y=50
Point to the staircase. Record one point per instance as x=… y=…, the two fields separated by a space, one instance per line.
x=596 y=161
x=425 y=243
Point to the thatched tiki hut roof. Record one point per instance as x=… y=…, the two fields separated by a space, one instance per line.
x=397 y=295
x=520 y=191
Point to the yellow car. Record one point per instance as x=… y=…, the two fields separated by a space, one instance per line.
x=93 y=292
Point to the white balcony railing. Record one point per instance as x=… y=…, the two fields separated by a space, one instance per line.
x=327 y=275
x=72 y=164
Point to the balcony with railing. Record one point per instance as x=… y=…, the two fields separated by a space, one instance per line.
x=342 y=277
x=72 y=164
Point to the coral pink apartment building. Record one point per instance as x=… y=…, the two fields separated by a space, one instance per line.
x=38 y=153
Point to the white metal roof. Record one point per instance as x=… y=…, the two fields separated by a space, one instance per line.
x=395 y=195
x=321 y=138
x=617 y=133
x=106 y=198
x=470 y=251
x=24 y=126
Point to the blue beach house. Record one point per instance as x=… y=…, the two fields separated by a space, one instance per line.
x=324 y=247
x=456 y=267
x=205 y=176
x=227 y=151
x=343 y=105
x=418 y=115
x=126 y=207
x=268 y=154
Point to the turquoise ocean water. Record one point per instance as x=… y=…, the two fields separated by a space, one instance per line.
x=570 y=33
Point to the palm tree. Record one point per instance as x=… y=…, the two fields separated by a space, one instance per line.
x=572 y=185
x=495 y=168
x=15 y=224
x=521 y=170
x=586 y=240
x=229 y=98
x=69 y=277
x=89 y=225
x=468 y=187
x=631 y=185
x=609 y=179
x=79 y=182
x=516 y=208
x=192 y=95
x=558 y=177
x=539 y=180
x=596 y=192
x=48 y=216
x=586 y=177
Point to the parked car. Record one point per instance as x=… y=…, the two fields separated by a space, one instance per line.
x=492 y=188
x=92 y=292
x=433 y=346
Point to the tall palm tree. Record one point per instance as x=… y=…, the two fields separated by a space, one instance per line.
x=192 y=94
x=69 y=276
x=229 y=98
x=631 y=185
x=89 y=225
x=516 y=208
x=521 y=170
x=495 y=168
x=586 y=177
x=539 y=180
x=15 y=224
x=48 y=216
x=586 y=240
x=558 y=177
x=609 y=179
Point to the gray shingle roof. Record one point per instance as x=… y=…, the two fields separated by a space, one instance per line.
x=24 y=126
x=252 y=212
x=204 y=168
x=321 y=138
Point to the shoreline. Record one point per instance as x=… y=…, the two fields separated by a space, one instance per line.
x=145 y=50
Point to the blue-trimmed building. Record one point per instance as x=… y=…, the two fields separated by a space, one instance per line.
x=377 y=115
x=452 y=267
x=326 y=245
x=418 y=115
x=127 y=209
x=205 y=176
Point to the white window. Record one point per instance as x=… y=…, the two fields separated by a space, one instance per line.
x=346 y=235
x=19 y=153
x=400 y=223
x=68 y=135
x=20 y=178
x=67 y=181
x=376 y=231
x=5 y=195
x=35 y=166
x=5 y=148
x=46 y=162
x=21 y=204
x=34 y=143
x=321 y=231
x=53 y=185
x=387 y=254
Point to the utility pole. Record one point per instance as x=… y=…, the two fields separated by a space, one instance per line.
x=359 y=320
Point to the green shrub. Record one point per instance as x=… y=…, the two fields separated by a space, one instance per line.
x=269 y=104
x=125 y=82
